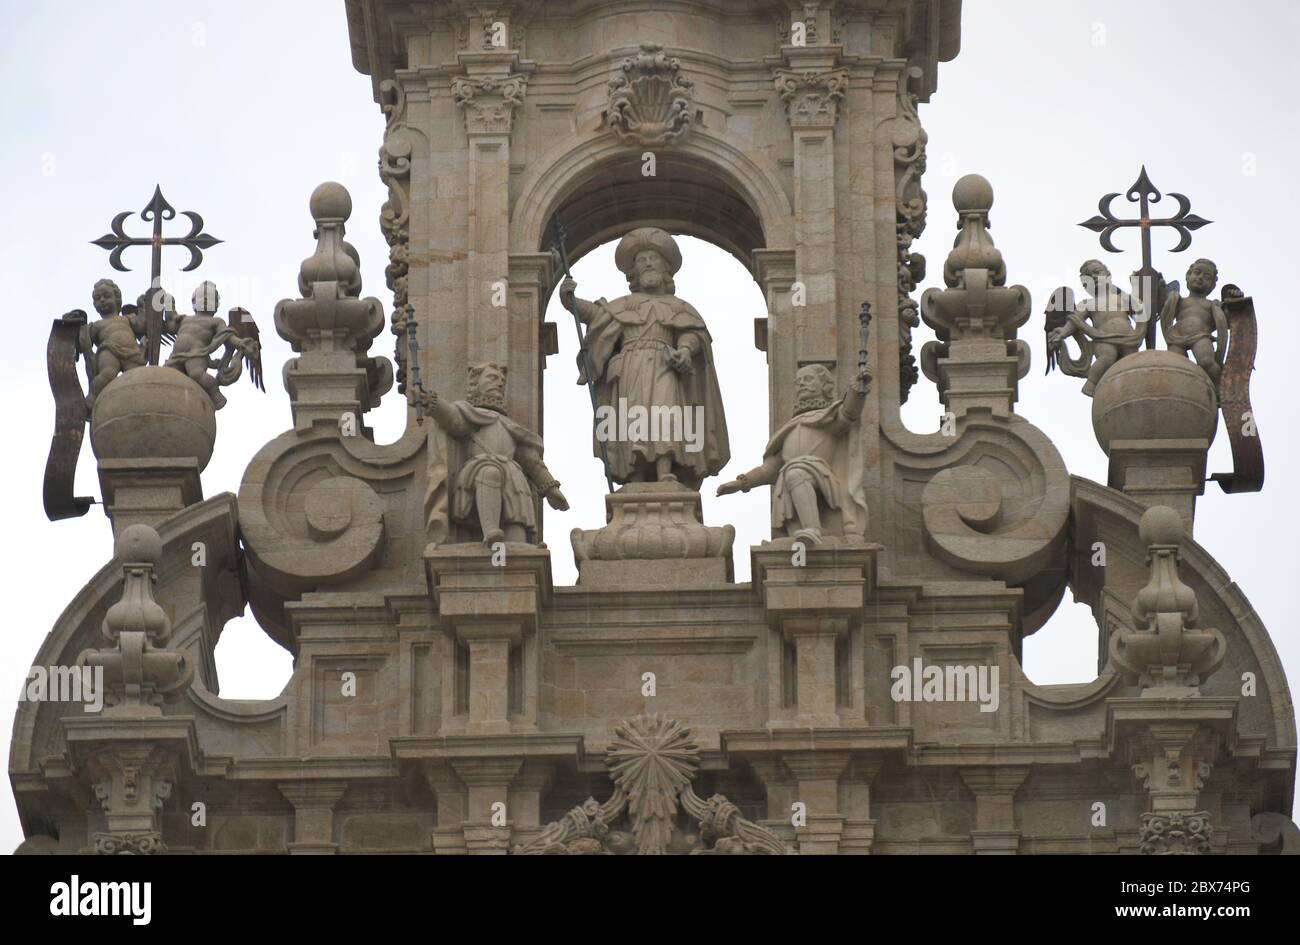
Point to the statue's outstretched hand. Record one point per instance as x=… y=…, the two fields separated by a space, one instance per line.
x=567 y=288
x=727 y=488
x=556 y=500
x=680 y=360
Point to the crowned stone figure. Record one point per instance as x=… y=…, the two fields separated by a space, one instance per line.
x=650 y=358
x=814 y=463
x=501 y=462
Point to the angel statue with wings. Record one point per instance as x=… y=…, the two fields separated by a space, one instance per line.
x=194 y=338
x=1105 y=326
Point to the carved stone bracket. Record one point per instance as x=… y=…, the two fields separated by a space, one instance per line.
x=652 y=762
x=650 y=103
x=811 y=97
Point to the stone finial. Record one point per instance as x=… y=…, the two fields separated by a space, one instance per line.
x=335 y=260
x=977 y=360
x=974 y=250
x=139 y=673
x=1165 y=652
x=330 y=325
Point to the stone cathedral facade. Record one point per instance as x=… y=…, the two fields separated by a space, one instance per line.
x=863 y=694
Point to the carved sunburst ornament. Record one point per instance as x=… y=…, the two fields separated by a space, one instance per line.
x=652 y=759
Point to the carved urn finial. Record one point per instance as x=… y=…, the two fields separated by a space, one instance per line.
x=335 y=259
x=977 y=360
x=1165 y=652
x=139 y=673
x=974 y=250
x=330 y=326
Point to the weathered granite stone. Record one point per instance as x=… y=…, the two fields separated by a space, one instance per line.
x=863 y=694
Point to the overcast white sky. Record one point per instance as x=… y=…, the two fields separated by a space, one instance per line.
x=238 y=109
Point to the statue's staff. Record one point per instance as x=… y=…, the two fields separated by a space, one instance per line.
x=583 y=353
x=864 y=328
x=413 y=366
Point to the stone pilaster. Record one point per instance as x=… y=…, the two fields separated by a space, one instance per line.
x=313 y=814
x=995 y=789
x=812 y=86
x=489 y=601
x=813 y=597
x=488 y=93
x=817 y=774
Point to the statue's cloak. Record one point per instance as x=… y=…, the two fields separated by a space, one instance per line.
x=450 y=497
x=839 y=481
x=603 y=350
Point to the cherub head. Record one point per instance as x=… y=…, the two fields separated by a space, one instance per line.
x=1094 y=276
x=205 y=299
x=487 y=385
x=814 y=387
x=107 y=297
x=1202 y=277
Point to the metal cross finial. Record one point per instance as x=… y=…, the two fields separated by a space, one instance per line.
x=157 y=210
x=1144 y=193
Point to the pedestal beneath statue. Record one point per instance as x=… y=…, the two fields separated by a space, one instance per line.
x=656 y=539
x=488 y=601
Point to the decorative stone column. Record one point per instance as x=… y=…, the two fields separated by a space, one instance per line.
x=812 y=86
x=313 y=814
x=488 y=92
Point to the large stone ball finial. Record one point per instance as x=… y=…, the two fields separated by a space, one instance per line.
x=972 y=194
x=330 y=201
x=138 y=544
x=1154 y=396
x=153 y=412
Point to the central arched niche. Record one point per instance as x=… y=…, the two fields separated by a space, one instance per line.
x=684 y=196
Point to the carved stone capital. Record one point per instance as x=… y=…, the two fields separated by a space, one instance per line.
x=811 y=97
x=489 y=101
x=1163 y=834
x=118 y=844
